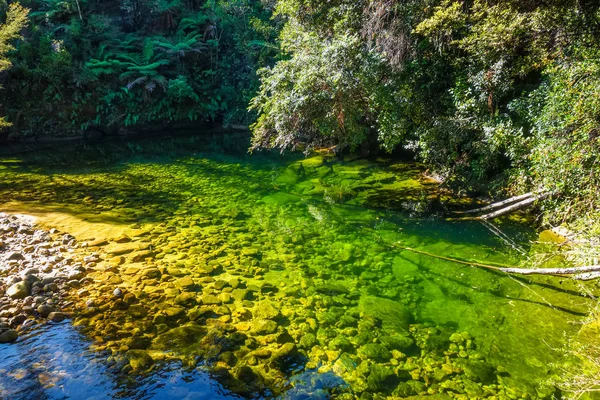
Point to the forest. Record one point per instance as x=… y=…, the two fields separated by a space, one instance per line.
x=375 y=102
x=494 y=97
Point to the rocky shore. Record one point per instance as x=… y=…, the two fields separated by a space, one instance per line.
x=37 y=269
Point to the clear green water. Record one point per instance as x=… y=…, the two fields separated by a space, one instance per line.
x=287 y=276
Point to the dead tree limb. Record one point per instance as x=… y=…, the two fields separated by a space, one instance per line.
x=514 y=207
x=496 y=205
x=580 y=273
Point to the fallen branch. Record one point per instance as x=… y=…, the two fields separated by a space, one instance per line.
x=515 y=207
x=580 y=273
x=498 y=204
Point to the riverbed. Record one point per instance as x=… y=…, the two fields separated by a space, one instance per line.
x=259 y=275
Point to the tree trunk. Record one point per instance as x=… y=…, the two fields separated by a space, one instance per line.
x=514 y=207
x=493 y=206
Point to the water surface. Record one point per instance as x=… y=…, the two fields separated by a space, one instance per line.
x=267 y=276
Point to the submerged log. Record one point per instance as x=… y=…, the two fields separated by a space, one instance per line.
x=580 y=273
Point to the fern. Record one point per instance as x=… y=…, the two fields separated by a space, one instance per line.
x=181 y=44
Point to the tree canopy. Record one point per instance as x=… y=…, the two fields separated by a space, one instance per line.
x=497 y=92
x=16 y=19
x=109 y=65
x=490 y=94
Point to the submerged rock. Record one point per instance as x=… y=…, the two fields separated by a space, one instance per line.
x=44 y=310
x=266 y=309
x=375 y=351
x=477 y=370
x=264 y=326
x=382 y=379
x=397 y=342
x=57 y=316
x=393 y=315
x=180 y=337
x=139 y=360
x=9 y=336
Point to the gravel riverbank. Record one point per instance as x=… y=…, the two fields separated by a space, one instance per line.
x=37 y=269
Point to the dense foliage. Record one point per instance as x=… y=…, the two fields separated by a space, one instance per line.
x=16 y=17
x=106 y=65
x=503 y=92
x=496 y=94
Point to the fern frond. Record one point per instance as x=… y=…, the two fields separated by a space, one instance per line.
x=135 y=82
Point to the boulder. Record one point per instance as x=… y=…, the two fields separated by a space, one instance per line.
x=19 y=290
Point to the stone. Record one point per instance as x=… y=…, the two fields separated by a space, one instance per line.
x=140 y=255
x=341 y=342
x=402 y=268
x=286 y=358
x=241 y=294
x=174 y=312
x=186 y=299
x=344 y=365
x=375 y=351
x=308 y=341
x=122 y=239
x=9 y=336
x=98 y=242
x=264 y=326
x=208 y=299
x=397 y=342
x=180 y=337
x=266 y=309
x=139 y=360
x=15 y=256
x=382 y=379
x=220 y=284
x=392 y=315
x=44 y=310
x=185 y=283
x=19 y=290
x=17 y=320
x=51 y=287
x=137 y=311
x=56 y=316
x=150 y=273
x=119 y=249
x=477 y=370
x=332 y=289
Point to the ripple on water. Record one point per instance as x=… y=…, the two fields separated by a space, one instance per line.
x=54 y=362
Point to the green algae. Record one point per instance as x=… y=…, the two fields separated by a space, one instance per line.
x=259 y=267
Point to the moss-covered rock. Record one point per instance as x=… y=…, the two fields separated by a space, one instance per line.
x=375 y=351
x=382 y=379
x=139 y=360
x=393 y=315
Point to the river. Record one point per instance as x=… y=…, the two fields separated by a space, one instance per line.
x=258 y=275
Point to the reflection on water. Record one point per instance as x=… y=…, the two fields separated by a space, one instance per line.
x=282 y=277
x=54 y=362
